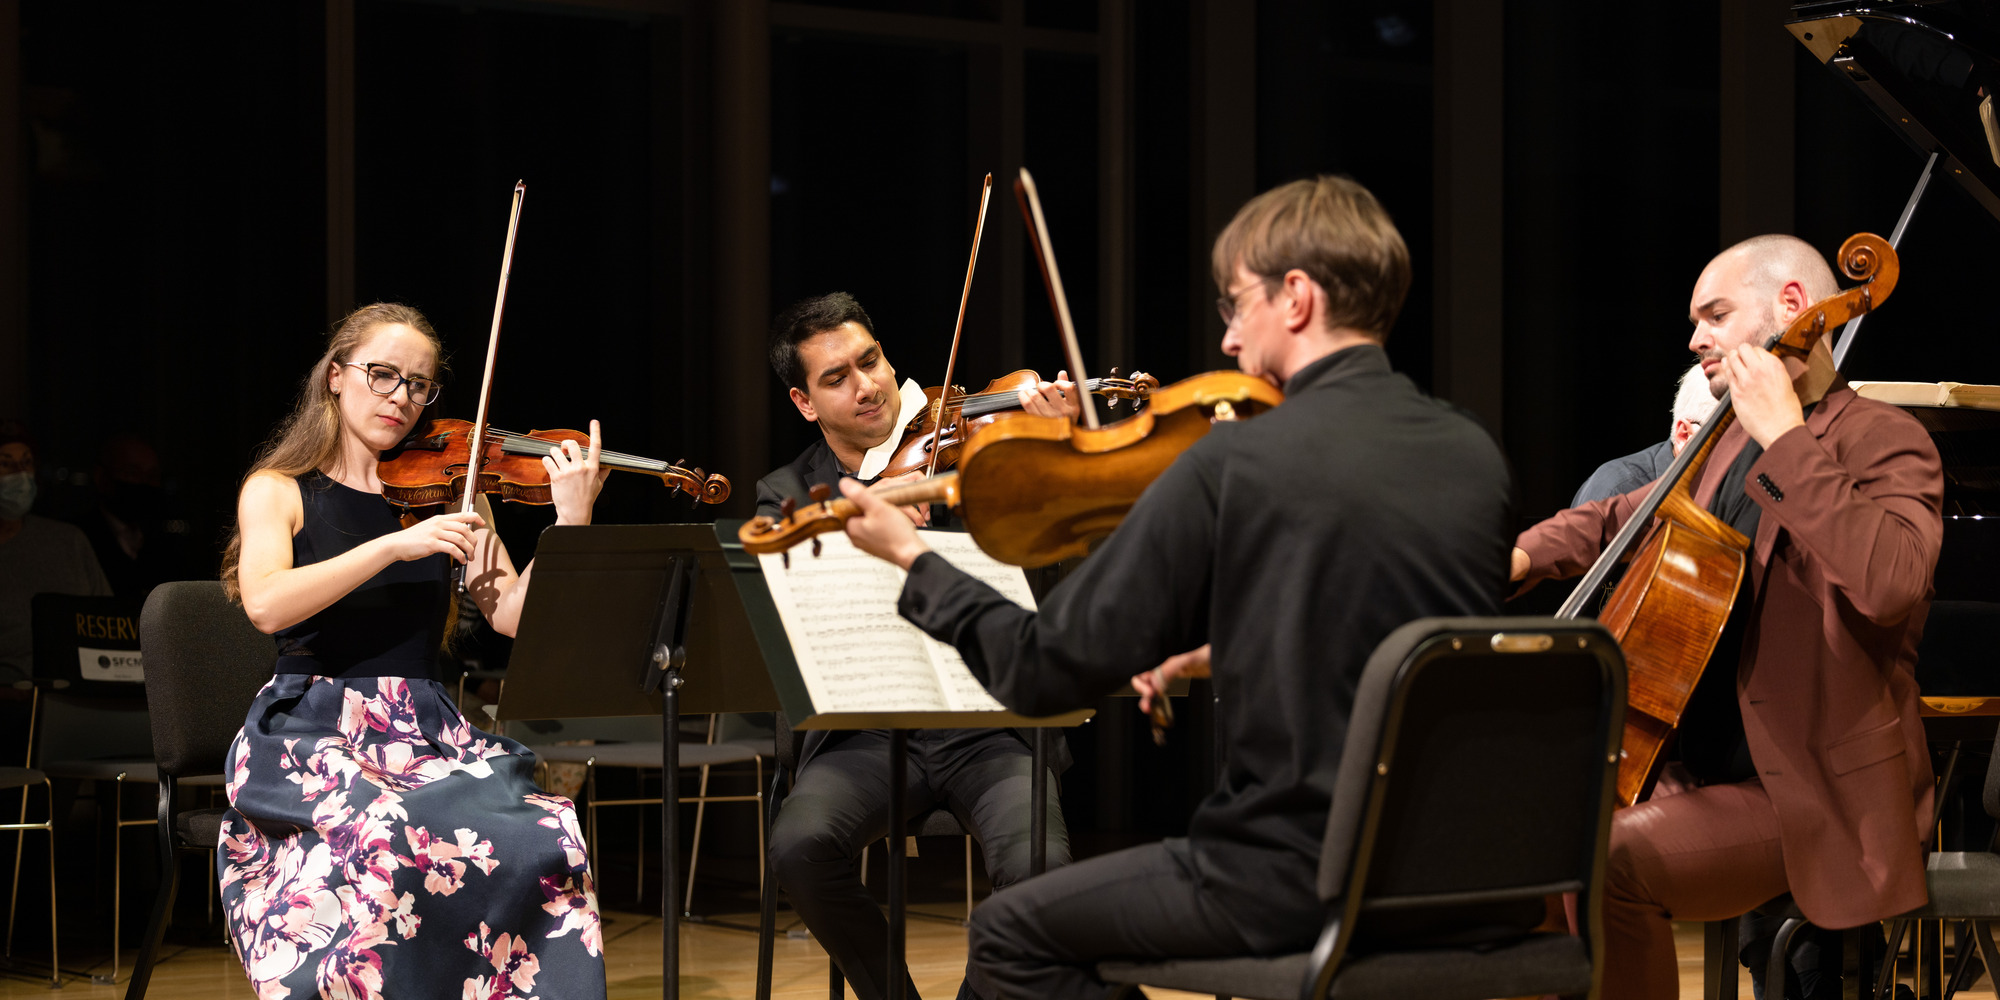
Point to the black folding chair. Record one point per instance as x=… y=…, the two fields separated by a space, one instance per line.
x=1476 y=781
x=205 y=664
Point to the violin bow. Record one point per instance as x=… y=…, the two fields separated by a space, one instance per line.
x=1045 y=254
x=951 y=363
x=478 y=442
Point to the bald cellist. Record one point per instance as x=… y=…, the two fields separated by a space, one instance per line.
x=1802 y=736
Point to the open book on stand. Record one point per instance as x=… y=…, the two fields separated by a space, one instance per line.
x=861 y=664
x=1984 y=397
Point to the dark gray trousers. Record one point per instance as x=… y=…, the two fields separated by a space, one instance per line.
x=839 y=804
x=1043 y=938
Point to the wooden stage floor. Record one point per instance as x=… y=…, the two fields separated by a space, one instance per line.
x=716 y=964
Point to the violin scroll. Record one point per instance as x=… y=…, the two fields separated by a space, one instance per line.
x=1137 y=386
x=703 y=486
x=766 y=535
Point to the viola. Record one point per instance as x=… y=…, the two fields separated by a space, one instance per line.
x=1036 y=490
x=433 y=466
x=1669 y=610
x=966 y=414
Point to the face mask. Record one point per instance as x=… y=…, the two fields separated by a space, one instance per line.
x=17 y=494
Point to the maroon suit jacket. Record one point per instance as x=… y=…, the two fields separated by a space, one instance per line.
x=1840 y=577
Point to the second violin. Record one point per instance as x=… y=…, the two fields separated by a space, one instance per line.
x=1037 y=490
x=966 y=414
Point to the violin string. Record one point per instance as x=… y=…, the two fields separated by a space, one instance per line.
x=977 y=403
x=521 y=444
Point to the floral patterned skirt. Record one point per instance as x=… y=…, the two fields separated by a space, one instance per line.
x=378 y=845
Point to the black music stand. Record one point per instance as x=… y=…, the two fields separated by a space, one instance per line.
x=615 y=616
x=790 y=688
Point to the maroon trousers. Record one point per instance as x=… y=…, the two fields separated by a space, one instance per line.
x=1705 y=854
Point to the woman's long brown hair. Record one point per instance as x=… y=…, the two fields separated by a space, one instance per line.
x=309 y=438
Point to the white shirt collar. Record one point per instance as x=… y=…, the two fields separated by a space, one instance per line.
x=878 y=457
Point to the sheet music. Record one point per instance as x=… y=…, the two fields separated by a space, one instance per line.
x=958 y=548
x=855 y=652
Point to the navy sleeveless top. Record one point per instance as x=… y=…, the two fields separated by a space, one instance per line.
x=391 y=625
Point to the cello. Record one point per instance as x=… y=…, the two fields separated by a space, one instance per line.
x=1669 y=610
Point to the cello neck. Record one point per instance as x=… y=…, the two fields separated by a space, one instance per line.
x=1674 y=482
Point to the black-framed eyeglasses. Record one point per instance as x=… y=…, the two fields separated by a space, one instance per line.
x=1226 y=305
x=384 y=380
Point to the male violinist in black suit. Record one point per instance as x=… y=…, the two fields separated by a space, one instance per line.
x=825 y=352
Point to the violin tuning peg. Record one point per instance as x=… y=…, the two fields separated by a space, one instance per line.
x=821 y=493
x=786 y=506
x=815 y=546
x=1114 y=373
x=786 y=558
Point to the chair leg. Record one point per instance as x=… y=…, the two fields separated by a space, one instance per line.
x=968 y=880
x=639 y=853
x=55 y=952
x=1885 y=980
x=1718 y=965
x=163 y=901
x=694 y=852
x=1854 y=951
x=762 y=813
x=1961 y=964
x=117 y=873
x=19 y=837
x=767 y=907
x=1989 y=956
x=1780 y=962
x=590 y=817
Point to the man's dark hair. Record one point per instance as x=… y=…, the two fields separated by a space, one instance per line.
x=804 y=320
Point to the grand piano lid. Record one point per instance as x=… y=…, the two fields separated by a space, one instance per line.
x=1922 y=66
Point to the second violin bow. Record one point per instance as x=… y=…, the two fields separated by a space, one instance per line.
x=951 y=363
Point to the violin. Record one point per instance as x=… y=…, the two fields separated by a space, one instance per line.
x=433 y=465
x=1669 y=610
x=965 y=414
x=451 y=461
x=1037 y=490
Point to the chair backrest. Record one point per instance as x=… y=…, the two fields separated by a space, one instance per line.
x=89 y=644
x=1477 y=777
x=1990 y=797
x=205 y=663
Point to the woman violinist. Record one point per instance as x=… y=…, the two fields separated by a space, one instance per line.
x=377 y=843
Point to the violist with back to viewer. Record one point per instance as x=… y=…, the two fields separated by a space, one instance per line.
x=1262 y=542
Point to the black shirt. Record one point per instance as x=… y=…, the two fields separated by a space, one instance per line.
x=390 y=626
x=1294 y=542
x=1710 y=737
